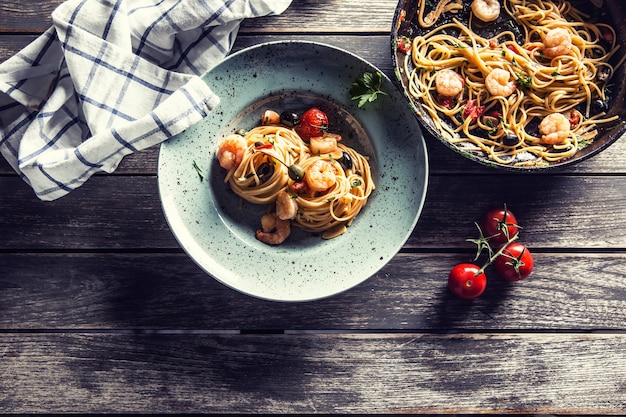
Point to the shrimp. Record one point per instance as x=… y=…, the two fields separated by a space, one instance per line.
x=286 y=206
x=320 y=175
x=555 y=128
x=324 y=144
x=498 y=83
x=270 y=117
x=231 y=151
x=557 y=42
x=274 y=230
x=486 y=10
x=449 y=83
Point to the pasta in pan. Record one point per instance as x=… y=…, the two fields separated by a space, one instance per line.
x=530 y=95
x=315 y=184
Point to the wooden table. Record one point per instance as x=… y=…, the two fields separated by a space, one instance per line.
x=101 y=311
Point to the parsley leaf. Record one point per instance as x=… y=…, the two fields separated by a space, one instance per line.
x=367 y=88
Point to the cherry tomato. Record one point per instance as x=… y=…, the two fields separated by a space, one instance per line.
x=313 y=123
x=515 y=263
x=467 y=281
x=499 y=225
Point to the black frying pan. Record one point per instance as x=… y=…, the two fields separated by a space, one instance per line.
x=610 y=11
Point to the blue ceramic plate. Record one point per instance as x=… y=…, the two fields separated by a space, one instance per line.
x=216 y=228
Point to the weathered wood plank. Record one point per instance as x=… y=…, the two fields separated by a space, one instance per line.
x=316 y=16
x=168 y=291
x=318 y=373
x=31 y=16
x=116 y=212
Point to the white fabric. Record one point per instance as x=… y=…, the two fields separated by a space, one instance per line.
x=111 y=78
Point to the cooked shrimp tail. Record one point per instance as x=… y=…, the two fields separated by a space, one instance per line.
x=498 y=82
x=486 y=10
x=320 y=175
x=326 y=143
x=231 y=151
x=555 y=129
x=286 y=206
x=449 y=83
x=274 y=230
x=557 y=42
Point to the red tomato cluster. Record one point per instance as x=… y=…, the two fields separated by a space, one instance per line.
x=513 y=261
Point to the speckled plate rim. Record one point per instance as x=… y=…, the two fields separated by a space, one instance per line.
x=217 y=237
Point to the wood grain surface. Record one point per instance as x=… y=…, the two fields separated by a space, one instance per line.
x=102 y=312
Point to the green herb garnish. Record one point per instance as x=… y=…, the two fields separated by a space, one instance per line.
x=198 y=170
x=524 y=80
x=367 y=88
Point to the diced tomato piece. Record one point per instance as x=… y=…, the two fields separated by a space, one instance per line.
x=494 y=113
x=472 y=110
x=513 y=48
x=445 y=101
x=574 y=119
x=404 y=44
x=300 y=187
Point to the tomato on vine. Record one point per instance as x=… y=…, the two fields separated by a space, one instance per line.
x=498 y=233
x=515 y=263
x=467 y=281
x=313 y=123
x=499 y=225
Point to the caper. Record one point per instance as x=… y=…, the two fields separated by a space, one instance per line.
x=289 y=118
x=511 y=139
x=599 y=106
x=296 y=172
x=265 y=171
x=345 y=161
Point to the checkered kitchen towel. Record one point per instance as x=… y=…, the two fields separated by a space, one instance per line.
x=112 y=77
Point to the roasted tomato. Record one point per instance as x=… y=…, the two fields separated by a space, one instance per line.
x=313 y=122
x=515 y=263
x=467 y=281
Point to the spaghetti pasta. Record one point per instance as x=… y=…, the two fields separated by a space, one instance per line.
x=551 y=61
x=327 y=190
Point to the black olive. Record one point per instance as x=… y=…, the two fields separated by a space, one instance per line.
x=510 y=139
x=599 y=106
x=345 y=161
x=257 y=144
x=265 y=171
x=289 y=118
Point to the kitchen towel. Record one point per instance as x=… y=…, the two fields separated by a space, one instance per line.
x=110 y=78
